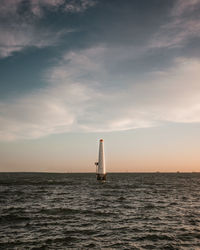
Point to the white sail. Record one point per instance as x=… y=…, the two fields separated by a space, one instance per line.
x=101 y=163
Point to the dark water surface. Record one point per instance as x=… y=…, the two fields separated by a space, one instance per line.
x=73 y=211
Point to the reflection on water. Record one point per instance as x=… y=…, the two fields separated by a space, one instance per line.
x=129 y=211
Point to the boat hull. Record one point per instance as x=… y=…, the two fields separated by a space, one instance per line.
x=101 y=177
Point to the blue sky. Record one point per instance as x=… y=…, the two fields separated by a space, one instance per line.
x=72 y=71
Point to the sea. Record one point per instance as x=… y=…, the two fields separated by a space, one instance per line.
x=74 y=211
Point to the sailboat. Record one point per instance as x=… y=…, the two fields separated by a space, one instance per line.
x=100 y=165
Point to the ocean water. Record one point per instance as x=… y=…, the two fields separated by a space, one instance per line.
x=74 y=211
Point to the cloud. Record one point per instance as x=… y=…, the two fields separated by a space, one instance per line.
x=19 y=31
x=83 y=65
x=13 y=40
x=9 y=8
x=77 y=100
x=36 y=7
x=20 y=23
x=38 y=114
x=79 y=6
x=183 y=6
x=74 y=6
x=183 y=26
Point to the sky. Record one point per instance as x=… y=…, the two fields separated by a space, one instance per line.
x=75 y=71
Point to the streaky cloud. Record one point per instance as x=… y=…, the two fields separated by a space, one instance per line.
x=74 y=103
x=183 y=26
x=20 y=29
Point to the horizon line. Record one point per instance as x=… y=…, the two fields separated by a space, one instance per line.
x=128 y=172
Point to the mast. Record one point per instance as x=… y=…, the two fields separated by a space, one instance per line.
x=101 y=168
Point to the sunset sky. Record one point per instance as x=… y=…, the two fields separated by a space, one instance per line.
x=75 y=71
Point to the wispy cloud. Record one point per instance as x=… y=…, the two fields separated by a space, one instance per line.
x=71 y=103
x=13 y=39
x=183 y=6
x=36 y=7
x=79 y=6
x=50 y=111
x=74 y=6
x=183 y=25
x=20 y=29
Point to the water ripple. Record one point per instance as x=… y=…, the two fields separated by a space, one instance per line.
x=73 y=211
